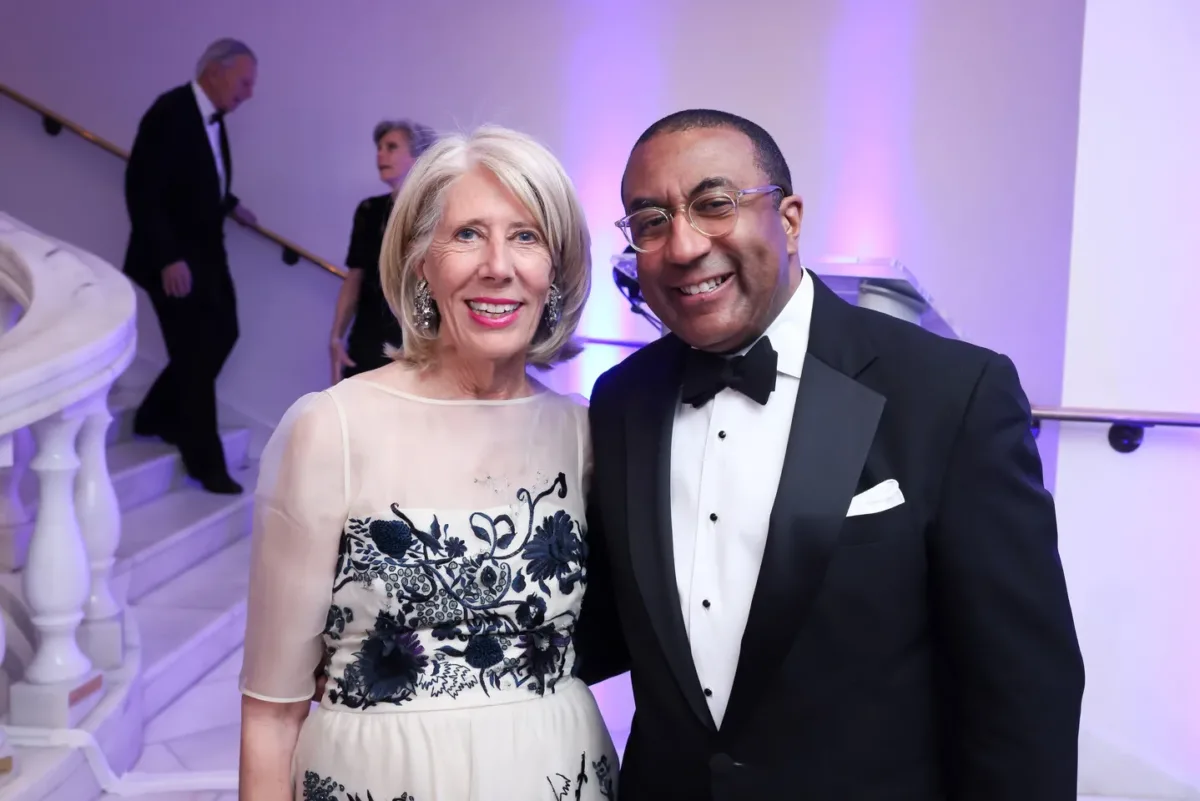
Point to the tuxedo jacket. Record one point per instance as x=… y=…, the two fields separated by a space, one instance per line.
x=176 y=204
x=924 y=652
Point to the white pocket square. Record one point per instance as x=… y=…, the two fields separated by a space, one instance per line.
x=879 y=498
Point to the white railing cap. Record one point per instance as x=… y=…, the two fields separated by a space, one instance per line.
x=78 y=330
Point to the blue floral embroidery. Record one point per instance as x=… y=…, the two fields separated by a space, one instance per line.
x=386 y=667
x=323 y=788
x=560 y=785
x=487 y=603
x=556 y=552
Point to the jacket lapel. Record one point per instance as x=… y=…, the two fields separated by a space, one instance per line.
x=833 y=426
x=649 y=419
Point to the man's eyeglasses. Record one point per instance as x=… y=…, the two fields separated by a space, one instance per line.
x=712 y=214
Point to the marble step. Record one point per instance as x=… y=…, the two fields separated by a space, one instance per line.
x=181 y=633
x=191 y=624
x=167 y=536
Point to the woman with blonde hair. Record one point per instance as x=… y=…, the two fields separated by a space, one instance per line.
x=420 y=528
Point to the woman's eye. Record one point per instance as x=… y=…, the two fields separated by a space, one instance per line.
x=528 y=237
x=467 y=235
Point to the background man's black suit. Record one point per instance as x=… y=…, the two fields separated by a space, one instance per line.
x=177 y=208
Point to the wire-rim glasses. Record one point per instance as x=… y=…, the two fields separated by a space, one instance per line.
x=713 y=214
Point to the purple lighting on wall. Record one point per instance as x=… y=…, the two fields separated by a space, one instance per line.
x=869 y=124
x=607 y=57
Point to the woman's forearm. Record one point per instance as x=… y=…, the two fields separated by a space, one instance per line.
x=269 y=735
x=347 y=304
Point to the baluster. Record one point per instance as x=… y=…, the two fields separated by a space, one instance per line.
x=55 y=583
x=15 y=524
x=102 y=633
x=7 y=763
x=9 y=312
x=13 y=518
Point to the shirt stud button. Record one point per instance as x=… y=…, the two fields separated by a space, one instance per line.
x=713 y=517
x=721 y=434
x=708 y=692
x=705 y=603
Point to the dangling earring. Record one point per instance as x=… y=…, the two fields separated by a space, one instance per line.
x=427 y=313
x=553 y=307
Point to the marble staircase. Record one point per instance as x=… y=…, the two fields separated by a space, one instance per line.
x=181 y=576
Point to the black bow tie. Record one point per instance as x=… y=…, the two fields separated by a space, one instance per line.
x=215 y=117
x=705 y=374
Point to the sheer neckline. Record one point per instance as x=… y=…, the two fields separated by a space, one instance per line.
x=539 y=391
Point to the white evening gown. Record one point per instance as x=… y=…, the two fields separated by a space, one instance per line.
x=435 y=552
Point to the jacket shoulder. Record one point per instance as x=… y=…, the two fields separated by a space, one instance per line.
x=635 y=366
x=920 y=364
x=903 y=338
x=171 y=104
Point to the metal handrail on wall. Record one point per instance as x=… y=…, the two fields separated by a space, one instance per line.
x=54 y=123
x=1126 y=429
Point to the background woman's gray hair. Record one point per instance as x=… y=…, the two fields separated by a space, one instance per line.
x=223 y=51
x=420 y=137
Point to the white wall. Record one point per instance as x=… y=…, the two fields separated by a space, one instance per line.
x=915 y=129
x=1130 y=523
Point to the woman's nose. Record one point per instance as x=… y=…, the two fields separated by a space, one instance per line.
x=498 y=260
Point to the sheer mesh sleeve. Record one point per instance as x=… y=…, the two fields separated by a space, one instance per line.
x=583 y=431
x=299 y=511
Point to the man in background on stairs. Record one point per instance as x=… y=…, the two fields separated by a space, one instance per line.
x=177 y=192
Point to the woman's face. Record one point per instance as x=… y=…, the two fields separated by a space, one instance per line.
x=489 y=271
x=393 y=158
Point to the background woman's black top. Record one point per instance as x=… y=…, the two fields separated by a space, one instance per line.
x=373 y=321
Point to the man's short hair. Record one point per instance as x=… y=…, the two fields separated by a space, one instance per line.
x=419 y=136
x=223 y=51
x=767 y=154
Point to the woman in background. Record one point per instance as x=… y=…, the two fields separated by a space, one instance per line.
x=398 y=143
x=423 y=525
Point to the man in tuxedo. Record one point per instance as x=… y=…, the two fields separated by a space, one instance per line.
x=818 y=535
x=177 y=192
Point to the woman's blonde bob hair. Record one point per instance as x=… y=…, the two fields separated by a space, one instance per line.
x=538 y=180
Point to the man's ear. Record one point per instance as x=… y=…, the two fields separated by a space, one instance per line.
x=791 y=209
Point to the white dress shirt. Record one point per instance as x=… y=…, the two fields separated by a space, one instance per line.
x=726 y=458
x=213 y=129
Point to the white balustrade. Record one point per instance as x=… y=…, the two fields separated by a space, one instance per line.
x=74 y=335
x=14 y=518
x=13 y=513
x=102 y=635
x=56 y=575
x=7 y=763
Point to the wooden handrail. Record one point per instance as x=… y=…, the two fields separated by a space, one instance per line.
x=54 y=123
